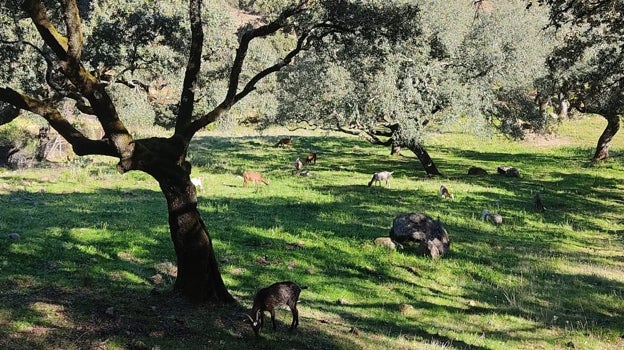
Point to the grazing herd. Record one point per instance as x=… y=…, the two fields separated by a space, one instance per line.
x=416 y=229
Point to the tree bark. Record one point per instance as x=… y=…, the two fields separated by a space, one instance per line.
x=198 y=276
x=602 y=149
x=424 y=158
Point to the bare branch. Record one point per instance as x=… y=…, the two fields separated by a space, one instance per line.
x=243 y=47
x=251 y=85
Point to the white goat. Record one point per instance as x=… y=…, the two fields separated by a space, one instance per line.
x=197 y=181
x=381 y=176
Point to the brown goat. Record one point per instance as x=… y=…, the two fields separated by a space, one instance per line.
x=444 y=192
x=253 y=177
x=269 y=298
x=287 y=141
x=310 y=159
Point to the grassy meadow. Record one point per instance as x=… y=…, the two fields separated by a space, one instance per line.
x=81 y=274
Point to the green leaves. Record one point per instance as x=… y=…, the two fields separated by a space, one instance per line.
x=589 y=63
x=417 y=66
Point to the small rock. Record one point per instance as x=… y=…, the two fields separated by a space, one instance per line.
x=167 y=268
x=508 y=171
x=138 y=345
x=385 y=242
x=355 y=331
x=477 y=171
x=343 y=301
x=14 y=236
x=493 y=217
x=262 y=260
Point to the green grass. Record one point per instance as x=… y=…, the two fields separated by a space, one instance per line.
x=80 y=276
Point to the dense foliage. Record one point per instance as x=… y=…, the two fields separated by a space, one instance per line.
x=588 y=66
x=465 y=60
x=586 y=70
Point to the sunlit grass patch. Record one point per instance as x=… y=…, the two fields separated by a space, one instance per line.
x=92 y=242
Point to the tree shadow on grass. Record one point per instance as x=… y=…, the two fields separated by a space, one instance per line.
x=334 y=153
x=72 y=281
x=89 y=275
x=476 y=250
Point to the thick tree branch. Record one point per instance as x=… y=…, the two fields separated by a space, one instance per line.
x=68 y=53
x=54 y=39
x=251 y=85
x=247 y=37
x=65 y=90
x=81 y=144
x=74 y=32
x=8 y=113
x=187 y=99
x=233 y=96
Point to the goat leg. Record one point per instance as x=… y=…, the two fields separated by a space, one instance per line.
x=273 y=319
x=295 y=321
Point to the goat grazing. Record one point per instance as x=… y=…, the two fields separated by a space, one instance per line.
x=495 y=218
x=269 y=298
x=477 y=171
x=298 y=166
x=537 y=202
x=287 y=141
x=444 y=192
x=197 y=181
x=310 y=159
x=381 y=176
x=253 y=177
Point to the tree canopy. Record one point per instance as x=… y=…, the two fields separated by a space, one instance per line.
x=587 y=67
x=463 y=61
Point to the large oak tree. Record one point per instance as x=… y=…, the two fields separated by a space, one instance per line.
x=470 y=60
x=312 y=25
x=587 y=69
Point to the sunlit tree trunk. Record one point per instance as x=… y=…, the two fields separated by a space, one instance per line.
x=198 y=273
x=424 y=158
x=602 y=149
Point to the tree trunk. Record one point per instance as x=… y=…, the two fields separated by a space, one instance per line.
x=602 y=149
x=424 y=158
x=198 y=277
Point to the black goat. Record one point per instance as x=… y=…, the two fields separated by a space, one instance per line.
x=267 y=299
